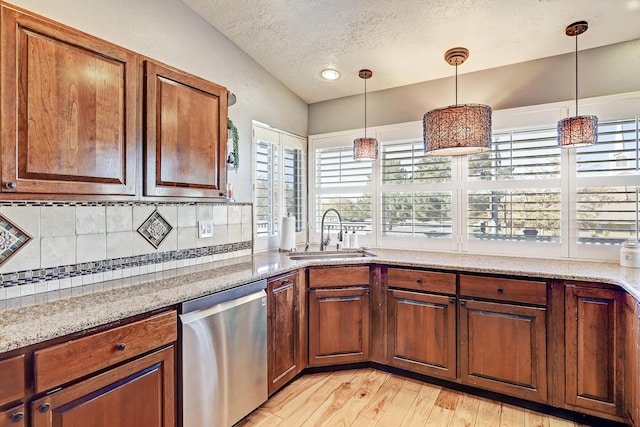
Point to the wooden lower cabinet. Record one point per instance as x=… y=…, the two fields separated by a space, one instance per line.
x=13 y=417
x=594 y=350
x=632 y=360
x=338 y=325
x=283 y=330
x=503 y=348
x=421 y=332
x=141 y=392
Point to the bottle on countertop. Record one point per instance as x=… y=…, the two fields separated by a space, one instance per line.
x=354 y=240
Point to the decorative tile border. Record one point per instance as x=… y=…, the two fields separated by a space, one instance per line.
x=74 y=270
x=117 y=203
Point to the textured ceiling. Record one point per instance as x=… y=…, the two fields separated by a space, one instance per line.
x=403 y=41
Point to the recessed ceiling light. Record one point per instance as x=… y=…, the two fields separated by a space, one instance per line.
x=330 y=74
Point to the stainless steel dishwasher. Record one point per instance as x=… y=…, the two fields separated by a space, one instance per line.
x=224 y=356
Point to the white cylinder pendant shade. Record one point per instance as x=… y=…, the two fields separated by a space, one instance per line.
x=457 y=130
x=578 y=131
x=365 y=149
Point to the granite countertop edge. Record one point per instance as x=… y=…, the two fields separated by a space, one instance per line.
x=36 y=319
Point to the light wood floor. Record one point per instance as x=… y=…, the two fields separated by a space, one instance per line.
x=368 y=397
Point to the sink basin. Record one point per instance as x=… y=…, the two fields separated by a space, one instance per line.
x=327 y=255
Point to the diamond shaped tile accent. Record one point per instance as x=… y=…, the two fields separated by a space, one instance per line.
x=154 y=229
x=12 y=239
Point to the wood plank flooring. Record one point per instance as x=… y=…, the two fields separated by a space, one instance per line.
x=369 y=397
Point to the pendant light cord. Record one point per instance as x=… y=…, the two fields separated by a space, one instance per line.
x=365 y=108
x=456 y=83
x=576 y=74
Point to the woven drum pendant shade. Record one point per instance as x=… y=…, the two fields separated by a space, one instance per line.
x=365 y=149
x=457 y=129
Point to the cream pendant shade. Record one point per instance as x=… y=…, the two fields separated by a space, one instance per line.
x=577 y=131
x=457 y=129
x=365 y=148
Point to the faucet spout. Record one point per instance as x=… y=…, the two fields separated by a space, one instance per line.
x=325 y=242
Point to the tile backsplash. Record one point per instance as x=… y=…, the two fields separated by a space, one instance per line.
x=73 y=243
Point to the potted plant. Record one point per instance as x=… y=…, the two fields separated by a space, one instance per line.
x=233 y=160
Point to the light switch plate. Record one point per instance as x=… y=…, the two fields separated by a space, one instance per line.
x=205 y=229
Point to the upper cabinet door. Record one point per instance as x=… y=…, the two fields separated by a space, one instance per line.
x=185 y=134
x=68 y=110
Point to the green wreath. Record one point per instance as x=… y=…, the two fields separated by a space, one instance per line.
x=234 y=136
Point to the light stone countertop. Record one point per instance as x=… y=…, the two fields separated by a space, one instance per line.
x=38 y=318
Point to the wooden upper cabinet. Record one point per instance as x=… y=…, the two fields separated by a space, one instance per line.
x=68 y=110
x=185 y=134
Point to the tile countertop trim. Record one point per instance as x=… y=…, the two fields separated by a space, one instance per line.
x=39 y=322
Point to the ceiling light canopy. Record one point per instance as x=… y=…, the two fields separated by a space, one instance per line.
x=457 y=129
x=577 y=131
x=330 y=74
x=365 y=148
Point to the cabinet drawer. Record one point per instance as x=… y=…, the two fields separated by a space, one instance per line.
x=13 y=417
x=287 y=280
x=65 y=362
x=338 y=277
x=444 y=283
x=524 y=291
x=12 y=383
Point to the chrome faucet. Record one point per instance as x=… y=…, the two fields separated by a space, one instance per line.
x=325 y=242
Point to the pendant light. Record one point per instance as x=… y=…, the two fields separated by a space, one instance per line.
x=577 y=131
x=457 y=129
x=365 y=148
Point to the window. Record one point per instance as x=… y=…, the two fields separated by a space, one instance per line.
x=607 y=186
x=279 y=184
x=514 y=191
x=345 y=185
x=525 y=196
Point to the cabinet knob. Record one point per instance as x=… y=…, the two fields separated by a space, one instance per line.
x=500 y=290
x=17 y=417
x=452 y=300
x=121 y=346
x=44 y=408
x=11 y=185
x=463 y=303
x=286 y=281
x=419 y=281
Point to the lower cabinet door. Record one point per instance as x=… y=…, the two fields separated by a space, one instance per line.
x=594 y=350
x=338 y=325
x=139 y=393
x=283 y=331
x=13 y=417
x=503 y=348
x=421 y=332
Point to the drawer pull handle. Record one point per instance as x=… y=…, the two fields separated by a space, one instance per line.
x=44 y=408
x=121 y=346
x=500 y=290
x=419 y=281
x=17 y=417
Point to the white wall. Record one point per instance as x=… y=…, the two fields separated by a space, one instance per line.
x=603 y=71
x=169 y=31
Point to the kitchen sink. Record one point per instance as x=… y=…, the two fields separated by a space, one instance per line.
x=327 y=255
